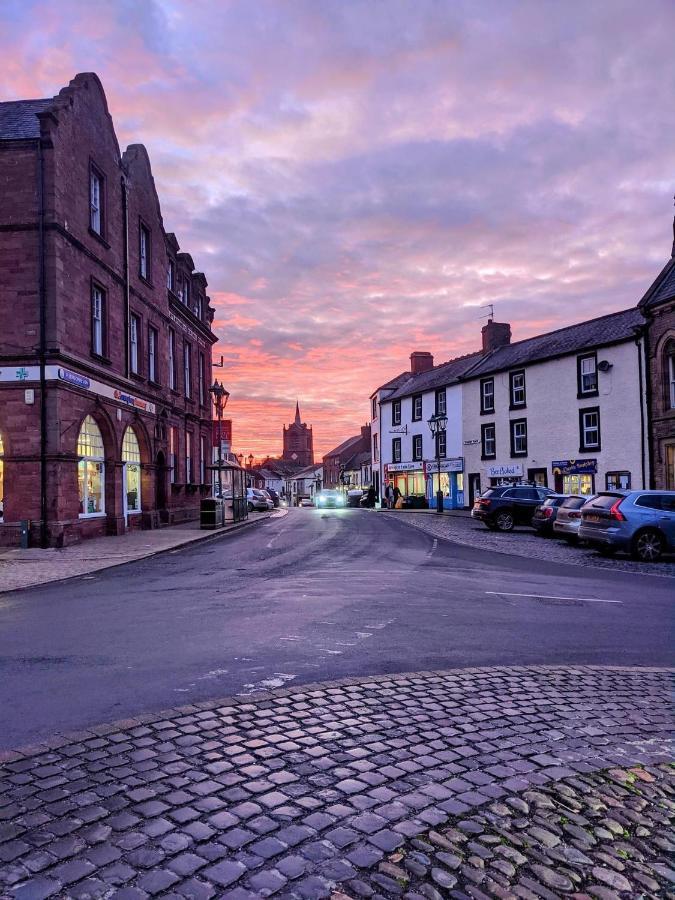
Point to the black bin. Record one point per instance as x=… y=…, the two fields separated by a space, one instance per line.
x=212 y=513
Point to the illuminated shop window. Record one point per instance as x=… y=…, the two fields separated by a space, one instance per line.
x=91 y=469
x=131 y=457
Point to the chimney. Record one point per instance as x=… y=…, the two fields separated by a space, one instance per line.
x=365 y=433
x=420 y=361
x=495 y=334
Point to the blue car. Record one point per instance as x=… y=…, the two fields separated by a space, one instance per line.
x=641 y=523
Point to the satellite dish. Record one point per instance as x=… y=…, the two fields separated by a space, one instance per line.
x=604 y=366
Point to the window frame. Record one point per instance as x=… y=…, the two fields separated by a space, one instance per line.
x=135 y=325
x=670 y=374
x=171 y=276
x=441 y=402
x=487 y=410
x=86 y=458
x=583 y=446
x=144 y=254
x=441 y=444
x=99 y=354
x=416 y=400
x=396 y=450
x=174 y=443
x=483 y=432
x=395 y=412
x=512 y=402
x=512 y=433
x=96 y=174
x=417 y=447
x=373 y=412
x=201 y=378
x=617 y=487
x=153 y=357
x=189 y=449
x=187 y=369
x=173 y=372
x=581 y=393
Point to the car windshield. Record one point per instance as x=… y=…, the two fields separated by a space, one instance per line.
x=330 y=493
x=574 y=502
x=605 y=501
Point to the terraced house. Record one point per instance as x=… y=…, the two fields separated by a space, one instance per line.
x=105 y=332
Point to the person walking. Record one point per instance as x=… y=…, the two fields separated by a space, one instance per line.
x=389 y=496
x=397 y=497
x=370 y=497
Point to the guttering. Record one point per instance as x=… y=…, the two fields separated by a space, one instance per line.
x=646 y=393
x=125 y=236
x=42 y=351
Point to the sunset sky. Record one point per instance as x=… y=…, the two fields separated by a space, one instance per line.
x=356 y=177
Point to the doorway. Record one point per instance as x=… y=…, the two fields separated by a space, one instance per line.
x=474 y=487
x=160 y=486
x=538 y=477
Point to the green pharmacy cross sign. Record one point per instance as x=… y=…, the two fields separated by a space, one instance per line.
x=22 y=374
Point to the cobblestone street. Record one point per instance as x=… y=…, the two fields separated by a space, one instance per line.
x=351 y=787
x=462 y=529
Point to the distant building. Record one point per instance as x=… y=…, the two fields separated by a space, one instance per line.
x=304 y=484
x=298 y=442
x=336 y=461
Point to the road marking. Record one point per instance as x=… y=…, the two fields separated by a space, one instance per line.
x=547 y=597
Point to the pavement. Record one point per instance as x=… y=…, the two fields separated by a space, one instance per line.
x=26 y=568
x=528 y=782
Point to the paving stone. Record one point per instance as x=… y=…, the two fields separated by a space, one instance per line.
x=157 y=881
x=224 y=873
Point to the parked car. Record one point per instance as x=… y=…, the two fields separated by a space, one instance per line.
x=640 y=522
x=545 y=515
x=568 y=518
x=332 y=499
x=501 y=508
x=274 y=495
x=257 y=500
x=305 y=501
x=268 y=498
x=354 y=497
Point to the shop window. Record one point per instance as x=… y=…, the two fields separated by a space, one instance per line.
x=578 y=484
x=91 y=469
x=97 y=321
x=519 y=437
x=441 y=407
x=617 y=481
x=131 y=457
x=396 y=412
x=396 y=450
x=417 y=408
x=488 y=436
x=487 y=395
x=2 y=482
x=417 y=446
x=517 y=389
x=587 y=375
x=589 y=429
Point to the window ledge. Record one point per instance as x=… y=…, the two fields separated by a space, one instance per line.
x=136 y=376
x=99 y=515
x=145 y=281
x=101 y=359
x=487 y=412
x=518 y=407
x=587 y=395
x=99 y=237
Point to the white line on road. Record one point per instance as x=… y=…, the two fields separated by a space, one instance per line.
x=547 y=597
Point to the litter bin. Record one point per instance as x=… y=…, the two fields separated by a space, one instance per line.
x=212 y=513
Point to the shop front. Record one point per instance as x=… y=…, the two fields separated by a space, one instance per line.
x=408 y=477
x=450 y=480
x=575 y=476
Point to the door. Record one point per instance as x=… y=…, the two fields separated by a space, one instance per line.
x=538 y=476
x=131 y=489
x=474 y=487
x=160 y=484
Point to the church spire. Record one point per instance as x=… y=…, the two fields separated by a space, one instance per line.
x=297 y=413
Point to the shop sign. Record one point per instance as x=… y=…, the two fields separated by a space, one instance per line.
x=574 y=466
x=403 y=467
x=187 y=329
x=471 y=443
x=454 y=464
x=20 y=373
x=515 y=470
x=130 y=400
x=74 y=378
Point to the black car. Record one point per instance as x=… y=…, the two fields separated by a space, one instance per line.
x=274 y=495
x=500 y=508
x=546 y=514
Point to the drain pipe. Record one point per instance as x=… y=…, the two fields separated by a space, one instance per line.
x=42 y=352
x=125 y=234
x=641 y=344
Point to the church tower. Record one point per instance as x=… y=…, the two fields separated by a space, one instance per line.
x=298 y=442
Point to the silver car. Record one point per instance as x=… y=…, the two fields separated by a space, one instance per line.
x=639 y=522
x=568 y=519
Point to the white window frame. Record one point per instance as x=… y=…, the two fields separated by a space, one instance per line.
x=593 y=372
x=417 y=408
x=86 y=456
x=442 y=444
x=586 y=429
x=488 y=382
x=144 y=250
x=187 y=369
x=152 y=353
x=441 y=402
x=172 y=359
x=171 y=275
x=97 y=308
x=134 y=323
x=202 y=460
x=519 y=439
x=417 y=447
x=395 y=412
x=95 y=194
x=489 y=440
x=396 y=450
x=200 y=377
x=517 y=389
x=189 y=474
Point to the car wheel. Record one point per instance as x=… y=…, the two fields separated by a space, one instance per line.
x=648 y=545
x=504 y=521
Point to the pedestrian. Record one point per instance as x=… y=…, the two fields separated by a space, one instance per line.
x=389 y=496
x=398 y=503
x=370 y=497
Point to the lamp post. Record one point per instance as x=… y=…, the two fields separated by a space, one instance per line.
x=437 y=426
x=220 y=398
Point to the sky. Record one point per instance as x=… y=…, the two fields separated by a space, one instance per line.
x=359 y=178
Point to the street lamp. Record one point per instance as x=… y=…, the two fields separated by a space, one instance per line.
x=220 y=398
x=437 y=426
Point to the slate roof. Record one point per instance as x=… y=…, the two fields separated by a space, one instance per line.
x=345 y=445
x=663 y=287
x=440 y=375
x=18 y=119
x=611 y=329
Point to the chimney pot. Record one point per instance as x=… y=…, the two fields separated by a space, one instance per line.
x=421 y=361
x=495 y=334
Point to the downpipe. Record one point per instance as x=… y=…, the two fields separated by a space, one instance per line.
x=42 y=351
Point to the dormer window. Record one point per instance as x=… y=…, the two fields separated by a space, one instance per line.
x=185 y=296
x=171 y=276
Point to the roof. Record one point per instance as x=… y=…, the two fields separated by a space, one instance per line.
x=359 y=459
x=611 y=329
x=394 y=382
x=662 y=288
x=18 y=119
x=345 y=445
x=445 y=373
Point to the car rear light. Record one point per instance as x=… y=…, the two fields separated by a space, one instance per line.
x=573 y=514
x=548 y=512
x=615 y=513
x=484 y=502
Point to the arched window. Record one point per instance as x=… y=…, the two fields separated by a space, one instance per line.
x=131 y=457
x=669 y=374
x=2 y=495
x=91 y=469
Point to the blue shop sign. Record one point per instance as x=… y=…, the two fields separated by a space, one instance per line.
x=74 y=378
x=574 y=466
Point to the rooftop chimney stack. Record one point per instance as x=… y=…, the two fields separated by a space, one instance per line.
x=495 y=334
x=421 y=361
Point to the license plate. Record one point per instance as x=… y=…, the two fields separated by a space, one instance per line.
x=592 y=518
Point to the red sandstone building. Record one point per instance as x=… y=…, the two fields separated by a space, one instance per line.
x=105 y=332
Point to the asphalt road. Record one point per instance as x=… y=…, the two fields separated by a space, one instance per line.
x=312 y=596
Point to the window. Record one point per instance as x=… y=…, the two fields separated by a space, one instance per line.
x=417 y=408
x=131 y=457
x=172 y=359
x=153 y=338
x=441 y=406
x=187 y=369
x=488 y=441
x=650 y=501
x=578 y=484
x=587 y=375
x=171 y=276
x=173 y=454
x=202 y=460
x=374 y=409
x=185 y=291
x=188 y=458
x=441 y=444
x=198 y=308
x=202 y=393
x=517 y=389
x=396 y=450
x=96 y=201
x=396 y=412
x=417 y=446
x=617 y=481
x=589 y=429
x=90 y=469
x=376 y=452
x=97 y=321
x=2 y=473
x=134 y=331
x=144 y=252
x=519 y=437
x=487 y=395
x=670 y=373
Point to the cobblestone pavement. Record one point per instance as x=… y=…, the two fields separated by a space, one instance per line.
x=304 y=793
x=524 y=542
x=25 y=568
